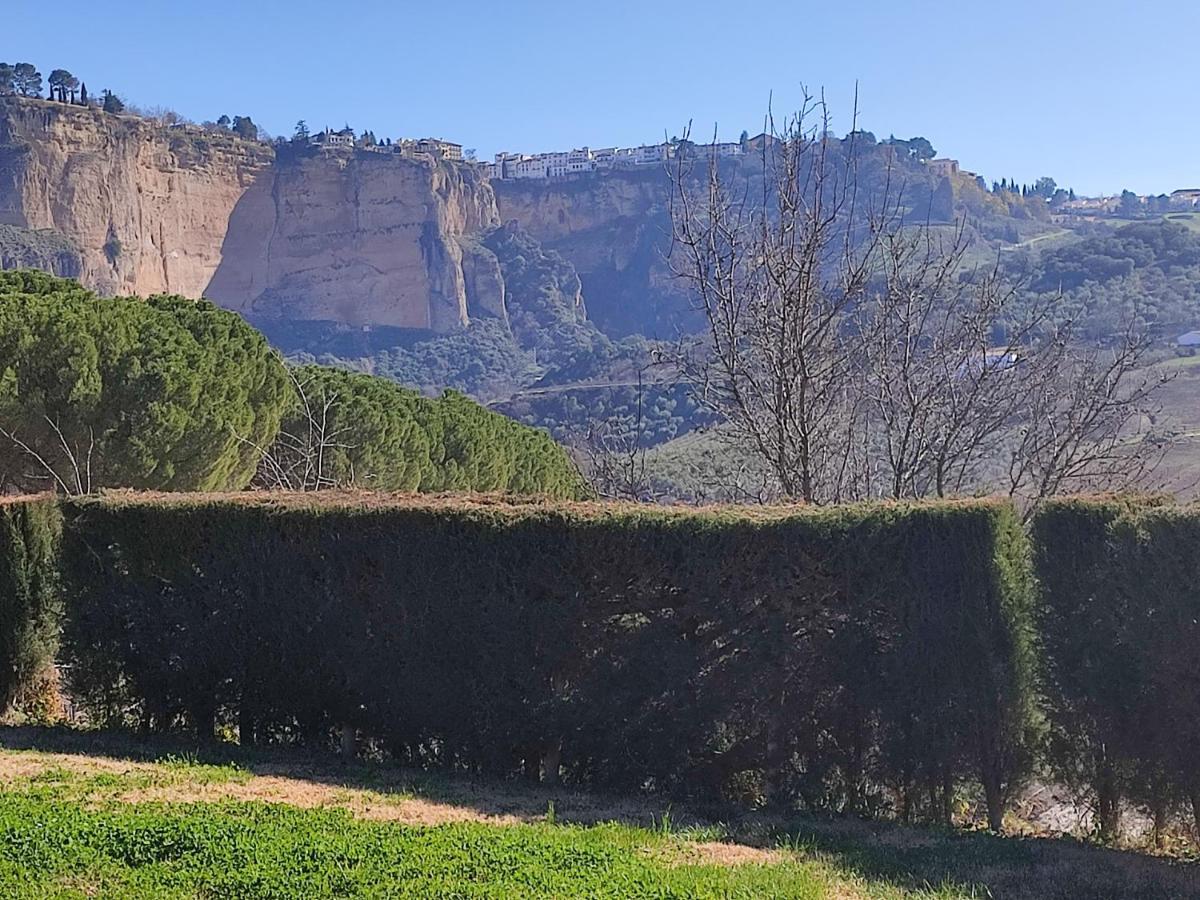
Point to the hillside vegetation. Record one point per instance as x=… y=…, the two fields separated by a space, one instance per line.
x=1150 y=267
x=173 y=394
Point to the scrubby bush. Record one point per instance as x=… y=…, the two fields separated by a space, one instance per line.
x=856 y=658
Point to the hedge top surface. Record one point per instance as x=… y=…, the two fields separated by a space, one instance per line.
x=521 y=506
x=1116 y=502
x=19 y=499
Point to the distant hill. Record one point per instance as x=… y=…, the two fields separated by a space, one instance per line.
x=1154 y=265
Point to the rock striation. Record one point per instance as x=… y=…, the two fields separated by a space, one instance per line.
x=146 y=207
x=356 y=238
x=361 y=239
x=615 y=229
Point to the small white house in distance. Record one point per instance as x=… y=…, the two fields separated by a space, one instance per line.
x=1190 y=340
x=989 y=361
x=343 y=138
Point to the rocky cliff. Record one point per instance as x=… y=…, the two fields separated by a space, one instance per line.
x=367 y=238
x=357 y=238
x=615 y=229
x=24 y=248
x=146 y=207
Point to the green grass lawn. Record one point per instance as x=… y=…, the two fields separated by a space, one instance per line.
x=87 y=816
x=50 y=848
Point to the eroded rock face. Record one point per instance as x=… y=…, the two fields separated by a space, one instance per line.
x=147 y=207
x=615 y=228
x=355 y=238
x=23 y=248
x=371 y=239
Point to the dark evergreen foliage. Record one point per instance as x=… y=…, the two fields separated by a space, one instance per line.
x=29 y=599
x=384 y=437
x=164 y=393
x=833 y=659
x=1120 y=622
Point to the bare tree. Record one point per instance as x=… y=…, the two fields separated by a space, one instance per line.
x=973 y=384
x=1087 y=417
x=856 y=355
x=71 y=475
x=615 y=452
x=777 y=277
x=945 y=356
x=302 y=459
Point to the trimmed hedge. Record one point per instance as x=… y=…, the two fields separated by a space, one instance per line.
x=849 y=658
x=1120 y=622
x=29 y=609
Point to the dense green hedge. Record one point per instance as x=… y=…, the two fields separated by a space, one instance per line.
x=1120 y=622
x=29 y=539
x=848 y=658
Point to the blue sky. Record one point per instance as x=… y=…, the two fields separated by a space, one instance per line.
x=1099 y=95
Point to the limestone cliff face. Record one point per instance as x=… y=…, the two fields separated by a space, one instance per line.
x=368 y=238
x=147 y=207
x=614 y=227
x=355 y=238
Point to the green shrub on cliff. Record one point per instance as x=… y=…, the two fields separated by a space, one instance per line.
x=164 y=393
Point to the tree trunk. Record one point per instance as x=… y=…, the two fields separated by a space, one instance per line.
x=206 y=724
x=773 y=775
x=1159 y=825
x=994 y=796
x=349 y=743
x=533 y=765
x=1108 y=807
x=948 y=799
x=551 y=760
x=246 y=726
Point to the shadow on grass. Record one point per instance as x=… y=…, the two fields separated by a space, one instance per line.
x=956 y=863
x=989 y=866
x=487 y=797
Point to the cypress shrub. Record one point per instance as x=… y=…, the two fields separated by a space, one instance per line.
x=1120 y=603
x=865 y=658
x=29 y=600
